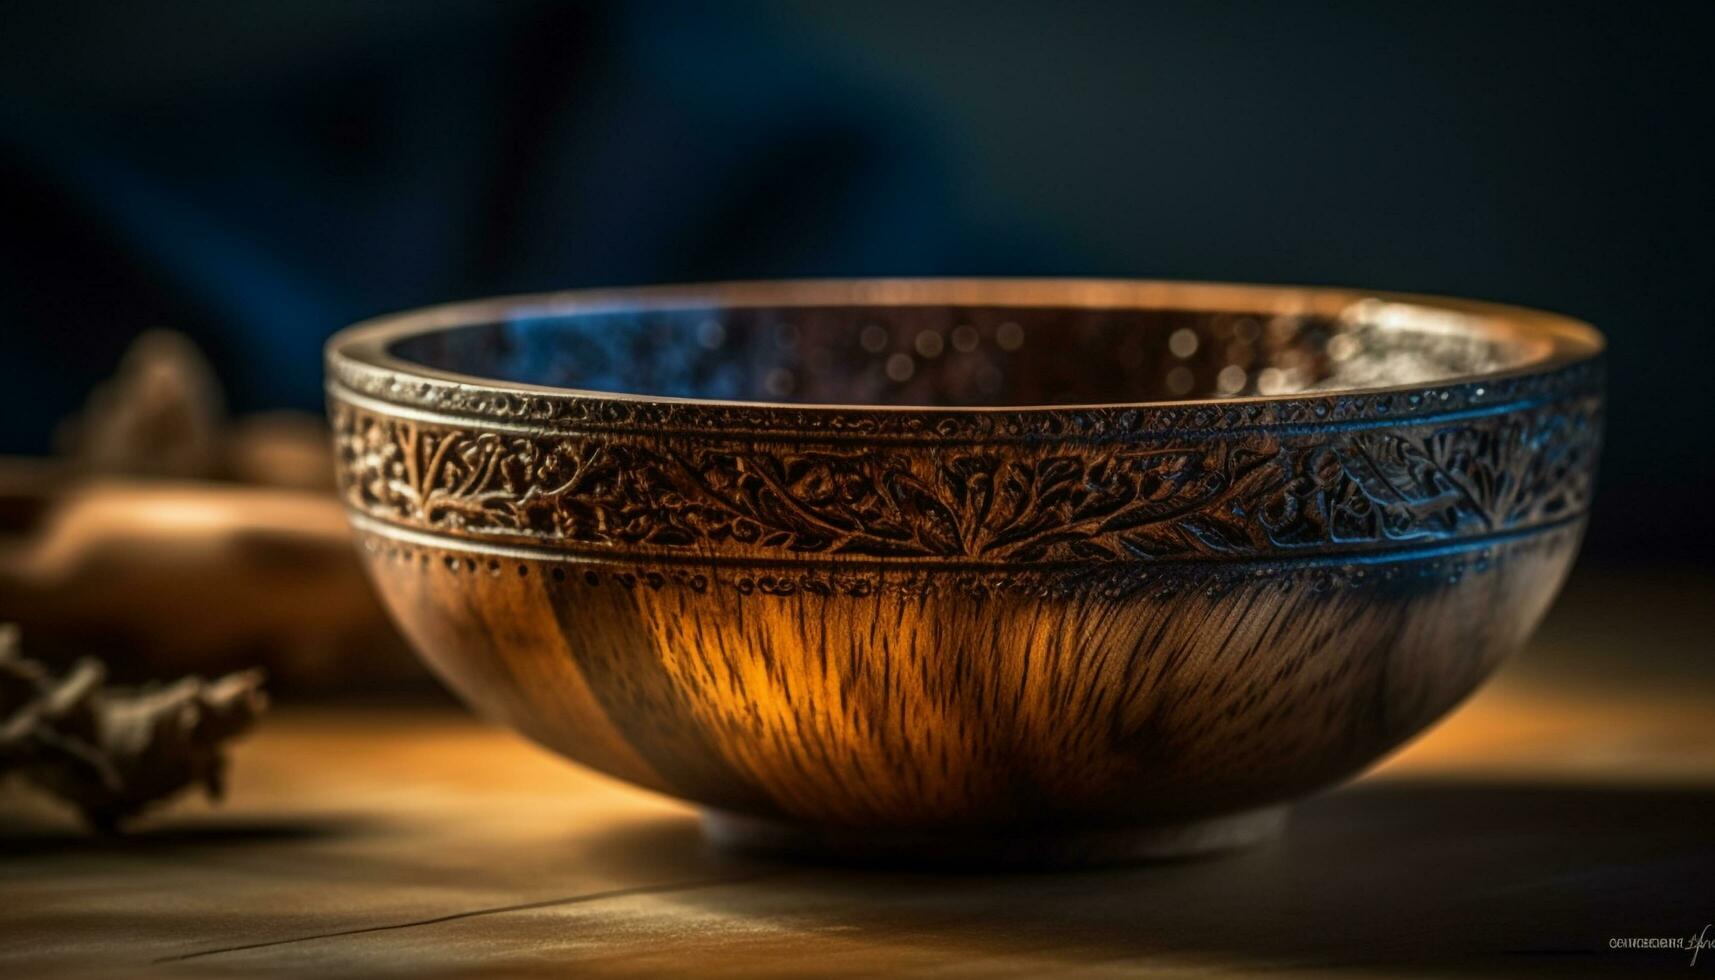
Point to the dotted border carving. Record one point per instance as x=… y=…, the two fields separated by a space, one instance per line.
x=1163 y=582
x=1225 y=492
x=571 y=413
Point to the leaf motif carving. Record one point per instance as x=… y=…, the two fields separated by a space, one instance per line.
x=1243 y=494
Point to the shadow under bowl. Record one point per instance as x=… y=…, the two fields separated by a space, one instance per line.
x=1002 y=571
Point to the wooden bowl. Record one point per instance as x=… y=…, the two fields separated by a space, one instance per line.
x=984 y=571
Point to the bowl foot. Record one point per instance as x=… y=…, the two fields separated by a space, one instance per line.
x=1047 y=849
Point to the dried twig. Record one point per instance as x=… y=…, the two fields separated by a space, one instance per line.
x=113 y=752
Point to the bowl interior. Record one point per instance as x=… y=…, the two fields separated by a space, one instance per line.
x=966 y=354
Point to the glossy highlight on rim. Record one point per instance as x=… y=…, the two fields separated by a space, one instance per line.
x=361 y=360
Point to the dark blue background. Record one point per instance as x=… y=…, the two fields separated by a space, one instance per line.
x=258 y=174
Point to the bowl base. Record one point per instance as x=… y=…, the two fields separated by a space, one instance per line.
x=1048 y=849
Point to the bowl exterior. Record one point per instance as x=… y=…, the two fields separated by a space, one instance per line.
x=1006 y=619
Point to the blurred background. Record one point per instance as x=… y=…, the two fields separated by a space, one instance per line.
x=256 y=175
x=195 y=193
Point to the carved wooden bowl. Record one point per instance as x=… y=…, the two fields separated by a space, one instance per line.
x=992 y=571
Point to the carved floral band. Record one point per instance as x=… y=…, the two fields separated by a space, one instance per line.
x=1318 y=475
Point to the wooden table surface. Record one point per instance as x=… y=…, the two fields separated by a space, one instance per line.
x=1571 y=802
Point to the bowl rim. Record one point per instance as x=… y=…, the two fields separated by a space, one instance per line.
x=363 y=350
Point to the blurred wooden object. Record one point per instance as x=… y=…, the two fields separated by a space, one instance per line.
x=160 y=415
x=165 y=577
x=163 y=415
x=1560 y=809
x=169 y=538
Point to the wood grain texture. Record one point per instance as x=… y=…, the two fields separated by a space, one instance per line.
x=1568 y=803
x=1032 y=713
x=1012 y=621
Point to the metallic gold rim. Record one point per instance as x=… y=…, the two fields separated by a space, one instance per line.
x=1371 y=469
x=359 y=359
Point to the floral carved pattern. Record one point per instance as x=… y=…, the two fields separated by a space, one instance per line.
x=1242 y=495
